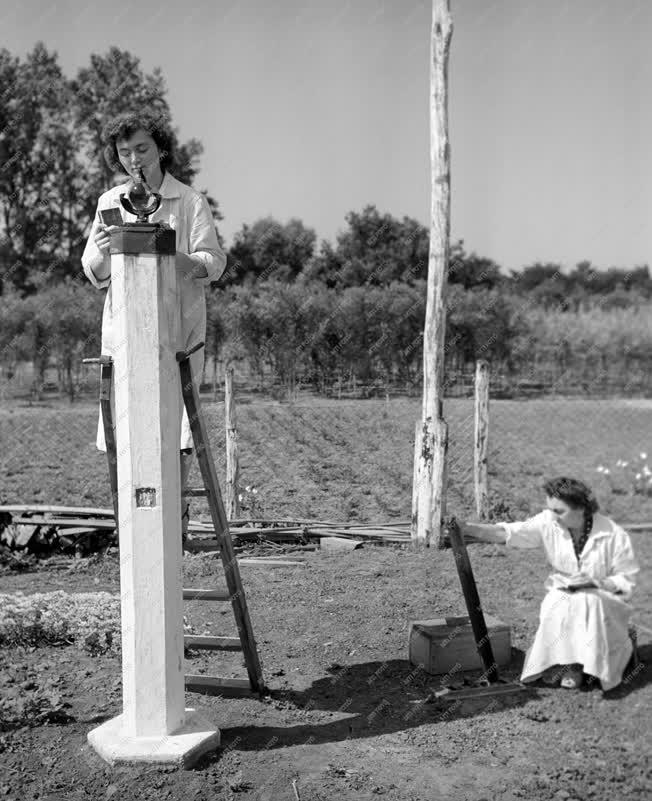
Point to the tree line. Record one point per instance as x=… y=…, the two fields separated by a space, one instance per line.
x=303 y=333
x=375 y=249
x=291 y=307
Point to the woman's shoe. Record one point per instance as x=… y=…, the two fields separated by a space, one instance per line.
x=572 y=678
x=551 y=680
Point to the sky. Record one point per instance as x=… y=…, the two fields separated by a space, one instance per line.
x=312 y=110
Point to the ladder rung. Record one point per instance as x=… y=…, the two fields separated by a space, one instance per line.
x=212 y=643
x=199 y=682
x=206 y=595
x=195 y=492
x=202 y=545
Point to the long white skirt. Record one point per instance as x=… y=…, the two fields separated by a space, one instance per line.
x=588 y=627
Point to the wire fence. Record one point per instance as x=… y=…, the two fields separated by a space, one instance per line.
x=586 y=378
x=352 y=459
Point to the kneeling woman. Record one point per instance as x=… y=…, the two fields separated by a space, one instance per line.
x=584 y=618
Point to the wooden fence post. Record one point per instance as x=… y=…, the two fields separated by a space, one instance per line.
x=431 y=441
x=232 y=458
x=480 y=447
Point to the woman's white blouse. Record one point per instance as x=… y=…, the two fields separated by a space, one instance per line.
x=607 y=554
x=187 y=211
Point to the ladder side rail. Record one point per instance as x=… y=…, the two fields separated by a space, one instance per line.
x=220 y=523
x=106 y=383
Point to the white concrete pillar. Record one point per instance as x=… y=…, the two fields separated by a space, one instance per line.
x=154 y=725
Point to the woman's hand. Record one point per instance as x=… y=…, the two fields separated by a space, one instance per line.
x=579 y=581
x=102 y=237
x=188 y=267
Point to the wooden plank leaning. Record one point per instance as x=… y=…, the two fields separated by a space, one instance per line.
x=472 y=600
x=489 y=684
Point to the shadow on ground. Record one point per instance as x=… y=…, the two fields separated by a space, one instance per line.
x=376 y=698
x=371 y=699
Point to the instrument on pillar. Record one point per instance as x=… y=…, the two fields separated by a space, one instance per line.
x=140 y=200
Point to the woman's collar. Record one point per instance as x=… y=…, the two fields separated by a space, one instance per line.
x=169 y=187
x=594 y=533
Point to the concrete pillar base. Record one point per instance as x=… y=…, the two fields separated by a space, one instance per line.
x=182 y=748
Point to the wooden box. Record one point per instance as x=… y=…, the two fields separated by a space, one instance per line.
x=446 y=645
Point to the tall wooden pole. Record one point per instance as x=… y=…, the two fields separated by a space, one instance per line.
x=431 y=437
x=481 y=439
x=154 y=725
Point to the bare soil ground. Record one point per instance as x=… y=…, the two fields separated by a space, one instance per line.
x=348 y=716
x=350 y=460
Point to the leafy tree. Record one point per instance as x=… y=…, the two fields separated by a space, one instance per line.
x=215 y=329
x=638 y=279
x=15 y=335
x=481 y=324
x=269 y=248
x=110 y=85
x=51 y=156
x=75 y=312
x=248 y=327
x=325 y=267
x=59 y=327
x=535 y=274
x=553 y=293
x=375 y=250
x=472 y=271
x=600 y=282
x=398 y=332
x=35 y=152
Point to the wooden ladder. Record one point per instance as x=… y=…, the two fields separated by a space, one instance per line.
x=234 y=592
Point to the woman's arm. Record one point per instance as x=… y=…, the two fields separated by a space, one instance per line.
x=205 y=261
x=485 y=532
x=96 y=260
x=520 y=534
x=623 y=567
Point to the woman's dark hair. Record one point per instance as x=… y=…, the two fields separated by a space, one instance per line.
x=573 y=492
x=126 y=125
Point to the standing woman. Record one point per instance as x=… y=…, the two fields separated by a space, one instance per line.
x=584 y=618
x=142 y=140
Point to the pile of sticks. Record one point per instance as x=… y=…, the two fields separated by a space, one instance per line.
x=39 y=528
x=33 y=528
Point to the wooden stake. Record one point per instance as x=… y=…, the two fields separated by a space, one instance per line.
x=481 y=447
x=232 y=455
x=429 y=490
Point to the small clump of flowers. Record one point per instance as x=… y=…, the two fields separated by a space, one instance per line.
x=249 y=500
x=633 y=476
